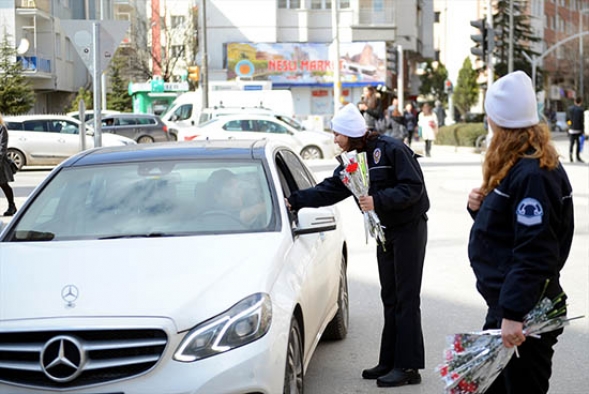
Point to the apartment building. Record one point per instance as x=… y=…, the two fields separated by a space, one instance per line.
x=290 y=43
x=556 y=21
x=49 y=59
x=551 y=20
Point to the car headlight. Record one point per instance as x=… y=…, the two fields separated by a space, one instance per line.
x=243 y=323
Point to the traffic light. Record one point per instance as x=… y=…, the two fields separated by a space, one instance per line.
x=392 y=58
x=448 y=87
x=481 y=40
x=194 y=73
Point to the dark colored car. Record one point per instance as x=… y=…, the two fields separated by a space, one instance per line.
x=143 y=128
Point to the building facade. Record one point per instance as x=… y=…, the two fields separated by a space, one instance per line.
x=291 y=43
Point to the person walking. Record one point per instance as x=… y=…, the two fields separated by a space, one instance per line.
x=428 y=124
x=410 y=122
x=6 y=174
x=371 y=107
x=397 y=128
x=522 y=231
x=398 y=196
x=576 y=116
x=440 y=113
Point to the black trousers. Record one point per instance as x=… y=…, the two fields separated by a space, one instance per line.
x=575 y=139
x=400 y=270
x=530 y=373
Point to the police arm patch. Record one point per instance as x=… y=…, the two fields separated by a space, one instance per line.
x=529 y=212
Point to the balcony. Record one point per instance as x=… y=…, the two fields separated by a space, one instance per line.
x=34 y=64
x=41 y=5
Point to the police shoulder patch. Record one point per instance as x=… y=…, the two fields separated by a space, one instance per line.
x=376 y=155
x=529 y=212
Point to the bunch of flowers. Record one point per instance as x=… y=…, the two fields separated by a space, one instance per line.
x=474 y=360
x=355 y=177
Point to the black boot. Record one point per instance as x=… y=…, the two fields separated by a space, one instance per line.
x=11 y=210
x=399 y=377
x=376 y=372
x=579 y=160
x=571 y=158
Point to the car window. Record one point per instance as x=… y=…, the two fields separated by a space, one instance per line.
x=290 y=121
x=302 y=178
x=67 y=127
x=141 y=199
x=35 y=125
x=267 y=126
x=146 y=121
x=240 y=125
x=14 y=125
x=125 y=121
x=183 y=112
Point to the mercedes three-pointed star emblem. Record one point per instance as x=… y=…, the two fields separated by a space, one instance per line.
x=69 y=294
x=62 y=358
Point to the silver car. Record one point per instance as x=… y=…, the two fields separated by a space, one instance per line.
x=47 y=140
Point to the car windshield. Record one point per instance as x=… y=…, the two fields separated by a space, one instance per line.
x=150 y=199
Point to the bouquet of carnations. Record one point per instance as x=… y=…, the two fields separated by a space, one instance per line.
x=355 y=177
x=474 y=360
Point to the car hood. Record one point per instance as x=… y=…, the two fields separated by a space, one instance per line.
x=186 y=279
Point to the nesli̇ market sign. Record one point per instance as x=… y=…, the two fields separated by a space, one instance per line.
x=307 y=64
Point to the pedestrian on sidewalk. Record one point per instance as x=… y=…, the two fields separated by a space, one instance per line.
x=6 y=174
x=398 y=196
x=522 y=231
x=371 y=107
x=410 y=122
x=440 y=113
x=576 y=117
x=428 y=124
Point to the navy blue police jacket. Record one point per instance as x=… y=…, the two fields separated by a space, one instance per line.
x=521 y=237
x=396 y=184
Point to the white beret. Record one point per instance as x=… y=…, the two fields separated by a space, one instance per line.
x=348 y=121
x=511 y=101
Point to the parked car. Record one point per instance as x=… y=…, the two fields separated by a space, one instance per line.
x=143 y=128
x=144 y=286
x=40 y=140
x=89 y=114
x=309 y=144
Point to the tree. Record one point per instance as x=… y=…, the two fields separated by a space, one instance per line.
x=433 y=80
x=83 y=94
x=466 y=91
x=178 y=49
x=118 y=98
x=16 y=94
x=523 y=37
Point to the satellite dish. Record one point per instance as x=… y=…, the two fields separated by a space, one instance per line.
x=23 y=47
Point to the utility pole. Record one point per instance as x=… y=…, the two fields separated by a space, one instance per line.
x=103 y=75
x=205 y=57
x=490 y=67
x=400 y=80
x=337 y=87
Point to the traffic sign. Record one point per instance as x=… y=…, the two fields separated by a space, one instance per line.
x=80 y=32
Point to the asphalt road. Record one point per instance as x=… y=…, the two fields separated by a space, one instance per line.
x=450 y=302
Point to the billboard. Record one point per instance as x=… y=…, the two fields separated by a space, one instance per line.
x=307 y=64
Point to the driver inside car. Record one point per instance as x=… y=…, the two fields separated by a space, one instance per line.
x=230 y=197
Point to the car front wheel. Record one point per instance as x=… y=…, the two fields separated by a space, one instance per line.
x=311 y=153
x=293 y=374
x=17 y=157
x=337 y=328
x=145 y=140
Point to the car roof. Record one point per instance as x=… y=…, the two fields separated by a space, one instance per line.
x=209 y=149
x=130 y=115
x=24 y=118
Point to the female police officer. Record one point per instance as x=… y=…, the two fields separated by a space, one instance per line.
x=399 y=198
x=522 y=231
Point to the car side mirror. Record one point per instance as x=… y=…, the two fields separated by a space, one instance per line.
x=314 y=220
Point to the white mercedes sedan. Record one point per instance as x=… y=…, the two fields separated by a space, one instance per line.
x=170 y=268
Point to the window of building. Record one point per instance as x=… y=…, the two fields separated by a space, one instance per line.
x=289 y=4
x=326 y=4
x=437 y=17
x=177 y=20
x=176 y=51
x=57 y=45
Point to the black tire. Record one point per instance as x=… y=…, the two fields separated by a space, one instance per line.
x=145 y=139
x=311 y=152
x=17 y=157
x=293 y=371
x=337 y=329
